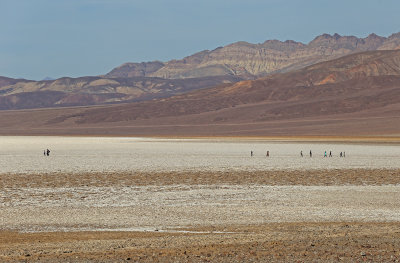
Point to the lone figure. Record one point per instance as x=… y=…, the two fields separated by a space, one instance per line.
x=310 y=153
x=301 y=153
x=267 y=153
x=48 y=152
x=330 y=153
x=251 y=153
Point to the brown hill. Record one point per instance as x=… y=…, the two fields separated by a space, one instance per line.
x=146 y=81
x=246 y=59
x=4 y=81
x=84 y=91
x=353 y=95
x=357 y=77
x=129 y=70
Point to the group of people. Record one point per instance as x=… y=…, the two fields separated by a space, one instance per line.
x=301 y=153
x=46 y=152
x=252 y=153
x=342 y=154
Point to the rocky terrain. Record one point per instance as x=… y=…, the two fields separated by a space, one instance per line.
x=358 y=82
x=267 y=216
x=83 y=91
x=353 y=95
x=149 y=80
x=246 y=59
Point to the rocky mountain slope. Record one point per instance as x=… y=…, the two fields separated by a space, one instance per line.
x=84 y=91
x=149 y=80
x=354 y=95
x=246 y=59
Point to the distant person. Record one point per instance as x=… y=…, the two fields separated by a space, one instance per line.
x=48 y=152
x=344 y=154
x=267 y=153
x=341 y=154
x=310 y=153
x=301 y=153
x=44 y=152
x=325 y=154
x=330 y=153
x=251 y=153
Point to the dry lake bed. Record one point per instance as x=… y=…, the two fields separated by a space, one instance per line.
x=196 y=200
x=96 y=154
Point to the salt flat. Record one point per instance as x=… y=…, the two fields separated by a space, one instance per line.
x=98 y=154
x=166 y=207
x=110 y=199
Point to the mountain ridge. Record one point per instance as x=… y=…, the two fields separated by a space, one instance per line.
x=378 y=68
x=247 y=59
x=205 y=69
x=361 y=100
x=95 y=90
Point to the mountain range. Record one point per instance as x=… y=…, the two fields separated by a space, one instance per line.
x=132 y=82
x=354 y=89
x=255 y=60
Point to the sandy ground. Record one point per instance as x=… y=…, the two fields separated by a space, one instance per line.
x=275 y=242
x=296 y=177
x=238 y=216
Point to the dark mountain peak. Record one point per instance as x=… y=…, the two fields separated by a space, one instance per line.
x=351 y=43
x=373 y=41
x=375 y=37
x=327 y=37
x=394 y=36
x=292 y=42
x=288 y=45
x=240 y=44
x=323 y=39
x=331 y=38
x=128 y=70
x=4 y=81
x=192 y=59
x=254 y=60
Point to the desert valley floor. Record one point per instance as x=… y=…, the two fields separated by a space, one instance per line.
x=198 y=200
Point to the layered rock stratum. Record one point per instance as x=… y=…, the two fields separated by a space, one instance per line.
x=246 y=59
x=132 y=82
x=85 y=91
x=356 y=82
x=353 y=95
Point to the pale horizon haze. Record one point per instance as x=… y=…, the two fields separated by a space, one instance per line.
x=54 y=38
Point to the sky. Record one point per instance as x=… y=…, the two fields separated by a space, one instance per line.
x=56 y=38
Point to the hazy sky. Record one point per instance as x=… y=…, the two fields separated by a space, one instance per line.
x=56 y=38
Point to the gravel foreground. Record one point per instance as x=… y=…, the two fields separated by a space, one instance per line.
x=275 y=242
x=347 y=215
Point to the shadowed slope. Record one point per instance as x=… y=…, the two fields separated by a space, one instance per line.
x=150 y=80
x=85 y=91
x=354 y=95
x=353 y=83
